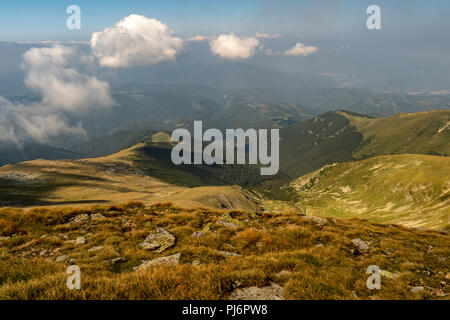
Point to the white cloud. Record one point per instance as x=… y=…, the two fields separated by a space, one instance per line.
x=51 y=71
x=196 y=38
x=135 y=41
x=272 y=53
x=300 y=50
x=266 y=35
x=232 y=47
x=32 y=122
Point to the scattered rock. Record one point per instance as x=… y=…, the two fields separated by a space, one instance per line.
x=227 y=221
x=97 y=216
x=443 y=283
x=115 y=260
x=283 y=273
x=97 y=248
x=158 y=241
x=361 y=245
x=73 y=260
x=80 y=241
x=163 y=261
x=61 y=258
x=228 y=224
x=272 y=292
x=417 y=289
x=319 y=245
x=80 y=218
x=198 y=234
x=43 y=252
x=196 y=263
x=228 y=254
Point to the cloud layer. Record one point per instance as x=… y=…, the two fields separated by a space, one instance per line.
x=54 y=73
x=49 y=71
x=32 y=122
x=300 y=50
x=233 y=47
x=196 y=38
x=266 y=35
x=135 y=41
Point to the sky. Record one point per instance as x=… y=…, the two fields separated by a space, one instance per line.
x=412 y=44
x=29 y=20
x=67 y=74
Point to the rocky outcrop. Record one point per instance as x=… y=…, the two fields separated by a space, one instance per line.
x=171 y=260
x=158 y=241
x=272 y=292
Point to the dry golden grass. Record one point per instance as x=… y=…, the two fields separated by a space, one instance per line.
x=268 y=243
x=111 y=179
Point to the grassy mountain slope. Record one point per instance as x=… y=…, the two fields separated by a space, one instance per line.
x=412 y=190
x=421 y=132
x=305 y=258
x=127 y=175
x=310 y=144
x=340 y=136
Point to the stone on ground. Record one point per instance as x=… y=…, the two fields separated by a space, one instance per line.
x=272 y=292
x=171 y=260
x=158 y=241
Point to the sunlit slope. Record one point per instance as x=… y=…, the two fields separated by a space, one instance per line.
x=212 y=254
x=341 y=136
x=421 y=132
x=116 y=178
x=412 y=190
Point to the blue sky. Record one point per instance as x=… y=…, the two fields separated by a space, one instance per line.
x=413 y=43
x=45 y=19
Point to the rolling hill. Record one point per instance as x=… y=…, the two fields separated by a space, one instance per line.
x=349 y=142
x=407 y=189
x=139 y=173
x=340 y=136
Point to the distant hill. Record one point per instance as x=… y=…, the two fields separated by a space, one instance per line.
x=422 y=132
x=257 y=109
x=110 y=143
x=138 y=173
x=339 y=136
x=413 y=190
x=153 y=157
x=29 y=150
x=378 y=104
